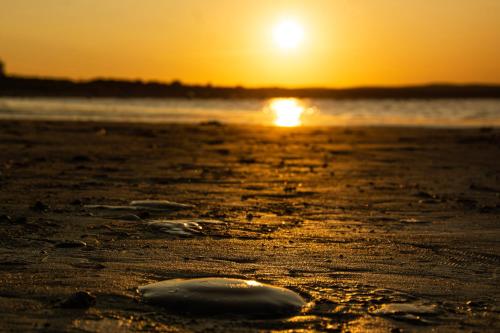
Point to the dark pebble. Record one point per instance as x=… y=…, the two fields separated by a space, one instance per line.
x=144 y=215
x=223 y=152
x=5 y=219
x=20 y=220
x=247 y=160
x=71 y=244
x=80 y=158
x=474 y=304
x=40 y=207
x=425 y=195
x=79 y=300
x=89 y=265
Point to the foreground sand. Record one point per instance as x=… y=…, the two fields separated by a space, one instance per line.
x=352 y=219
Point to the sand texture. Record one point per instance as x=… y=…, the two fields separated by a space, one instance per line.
x=378 y=229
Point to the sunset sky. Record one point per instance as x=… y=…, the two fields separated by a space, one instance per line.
x=225 y=42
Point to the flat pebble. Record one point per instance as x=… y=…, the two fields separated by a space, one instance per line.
x=406 y=308
x=184 y=227
x=40 y=206
x=222 y=296
x=144 y=205
x=79 y=300
x=128 y=217
x=110 y=207
x=71 y=244
x=5 y=219
x=159 y=205
x=176 y=227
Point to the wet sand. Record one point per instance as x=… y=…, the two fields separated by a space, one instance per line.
x=355 y=220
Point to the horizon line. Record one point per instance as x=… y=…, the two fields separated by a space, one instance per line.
x=260 y=87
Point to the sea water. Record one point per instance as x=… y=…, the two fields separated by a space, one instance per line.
x=387 y=112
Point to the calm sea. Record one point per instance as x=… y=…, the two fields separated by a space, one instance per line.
x=448 y=113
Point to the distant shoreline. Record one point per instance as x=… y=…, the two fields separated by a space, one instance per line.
x=18 y=86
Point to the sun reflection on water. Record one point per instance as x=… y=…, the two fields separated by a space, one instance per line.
x=287 y=112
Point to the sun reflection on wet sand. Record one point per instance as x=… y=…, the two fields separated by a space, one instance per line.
x=287 y=112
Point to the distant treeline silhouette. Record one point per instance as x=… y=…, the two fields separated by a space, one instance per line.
x=47 y=87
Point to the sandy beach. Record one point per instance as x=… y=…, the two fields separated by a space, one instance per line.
x=378 y=229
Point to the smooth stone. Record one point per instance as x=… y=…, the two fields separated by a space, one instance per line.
x=40 y=206
x=148 y=205
x=182 y=227
x=79 y=300
x=5 y=219
x=406 y=308
x=222 y=296
x=159 y=204
x=110 y=207
x=71 y=244
x=176 y=227
x=128 y=217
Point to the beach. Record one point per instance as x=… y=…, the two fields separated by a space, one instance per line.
x=377 y=228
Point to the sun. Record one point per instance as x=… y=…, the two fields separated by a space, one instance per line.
x=288 y=34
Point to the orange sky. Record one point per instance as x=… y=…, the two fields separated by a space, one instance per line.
x=227 y=42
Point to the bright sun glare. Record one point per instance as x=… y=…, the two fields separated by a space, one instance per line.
x=288 y=34
x=287 y=112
